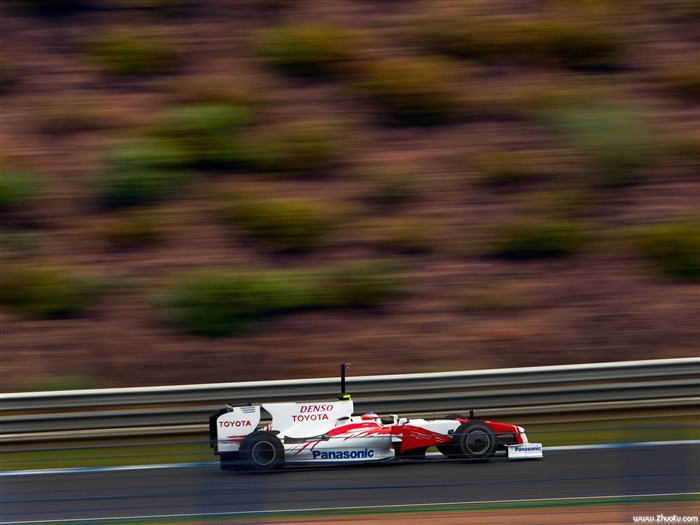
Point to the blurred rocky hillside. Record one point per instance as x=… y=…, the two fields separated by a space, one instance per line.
x=203 y=191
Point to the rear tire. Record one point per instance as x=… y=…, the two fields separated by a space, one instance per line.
x=229 y=460
x=477 y=441
x=451 y=450
x=261 y=451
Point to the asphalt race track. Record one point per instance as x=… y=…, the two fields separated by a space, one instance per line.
x=205 y=490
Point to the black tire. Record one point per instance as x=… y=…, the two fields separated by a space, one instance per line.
x=451 y=450
x=477 y=441
x=229 y=460
x=261 y=451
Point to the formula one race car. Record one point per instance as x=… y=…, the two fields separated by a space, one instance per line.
x=309 y=433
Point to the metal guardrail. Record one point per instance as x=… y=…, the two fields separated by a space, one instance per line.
x=540 y=389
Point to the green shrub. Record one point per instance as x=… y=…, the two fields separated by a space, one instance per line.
x=17 y=188
x=132 y=54
x=146 y=153
x=287 y=224
x=206 y=131
x=131 y=188
x=560 y=203
x=685 y=148
x=673 y=247
x=303 y=147
x=137 y=228
x=570 y=43
x=618 y=141
x=48 y=291
x=390 y=185
x=12 y=77
x=687 y=7
x=506 y=168
x=212 y=89
x=19 y=242
x=142 y=170
x=575 y=44
x=463 y=38
x=71 y=118
x=420 y=90
x=404 y=235
x=492 y=296
x=483 y=38
x=359 y=284
x=683 y=82
x=55 y=383
x=569 y=93
x=307 y=50
x=219 y=302
x=205 y=118
x=532 y=239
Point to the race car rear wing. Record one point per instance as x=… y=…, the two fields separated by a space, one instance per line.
x=231 y=424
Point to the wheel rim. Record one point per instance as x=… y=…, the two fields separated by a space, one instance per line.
x=263 y=453
x=477 y=443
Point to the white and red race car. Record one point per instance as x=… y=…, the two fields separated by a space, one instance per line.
x=308 y=433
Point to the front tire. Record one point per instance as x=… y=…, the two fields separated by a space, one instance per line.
x=476 y=440
x=261 y=451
